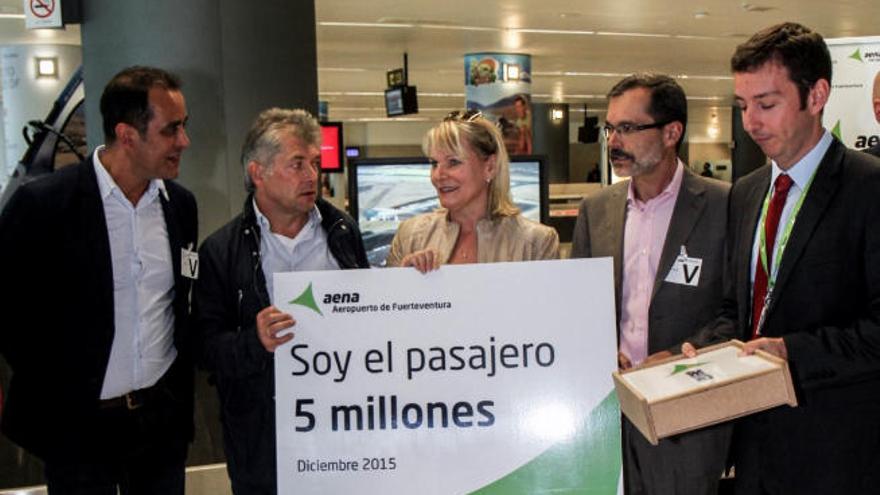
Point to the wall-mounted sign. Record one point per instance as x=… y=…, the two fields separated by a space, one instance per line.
x=42 y=14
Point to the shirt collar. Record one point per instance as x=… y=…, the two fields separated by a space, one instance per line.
x=671 y=189
x=801 y=171
x=106 y=184
x=315 y=218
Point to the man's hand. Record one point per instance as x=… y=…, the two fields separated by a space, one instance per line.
x=657 y=356
x=623 y=361
x=423 y=261
x=270 y=321
x=688 y=350
x=773 y=346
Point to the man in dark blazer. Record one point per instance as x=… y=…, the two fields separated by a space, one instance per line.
x=283 y=227
x=96 y=259
x=665 y=229
x=819 y=268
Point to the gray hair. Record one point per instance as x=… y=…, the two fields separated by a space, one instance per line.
x=263 y=140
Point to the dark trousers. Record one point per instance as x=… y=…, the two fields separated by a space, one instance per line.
x=686 y=464
x=139 y=451
x=149 y=470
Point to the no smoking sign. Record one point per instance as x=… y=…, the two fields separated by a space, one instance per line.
x=41 y=14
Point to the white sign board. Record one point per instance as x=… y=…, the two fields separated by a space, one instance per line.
x=42 y=14
x=849 y=113
x=491 y=378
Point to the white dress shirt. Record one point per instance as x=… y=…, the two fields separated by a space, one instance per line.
x=308 y=251
x=143 y=286
x=800 y=174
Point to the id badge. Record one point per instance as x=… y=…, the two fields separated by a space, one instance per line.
x=685 y=270
x=189 y=263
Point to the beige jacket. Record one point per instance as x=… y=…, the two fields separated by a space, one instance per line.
x=510 y=238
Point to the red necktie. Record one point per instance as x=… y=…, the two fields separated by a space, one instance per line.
x=771 y=224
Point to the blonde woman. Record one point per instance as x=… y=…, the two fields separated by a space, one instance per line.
x=477 y=221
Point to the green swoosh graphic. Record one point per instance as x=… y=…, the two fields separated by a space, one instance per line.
x=684 y=367
x=307 y=299
x=588 y=464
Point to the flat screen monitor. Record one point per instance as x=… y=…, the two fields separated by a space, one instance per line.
x=332 y=151
x=386 y=191
x=401 y=100
x=394 y=102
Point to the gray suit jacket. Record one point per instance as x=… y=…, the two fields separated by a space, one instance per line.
x=699 y=222
x=688 y=464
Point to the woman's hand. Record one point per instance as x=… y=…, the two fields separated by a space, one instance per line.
x=423 y=261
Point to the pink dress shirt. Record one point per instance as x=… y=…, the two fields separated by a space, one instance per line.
x=644 y=235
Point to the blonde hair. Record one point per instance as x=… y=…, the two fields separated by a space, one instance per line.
x=455 y=134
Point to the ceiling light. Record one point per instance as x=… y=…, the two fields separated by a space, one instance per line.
x=47 y=67
x=713 y=131
x=634 y=35
x=556 y=114
x=511 y=72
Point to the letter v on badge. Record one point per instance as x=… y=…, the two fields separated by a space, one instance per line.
x=685 y=270
x=189 y=262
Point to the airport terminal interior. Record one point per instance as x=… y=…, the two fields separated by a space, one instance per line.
x=333 y=57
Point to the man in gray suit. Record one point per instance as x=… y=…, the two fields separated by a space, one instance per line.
x=665 y=228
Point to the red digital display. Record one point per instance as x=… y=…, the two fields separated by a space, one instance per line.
x=331 y=147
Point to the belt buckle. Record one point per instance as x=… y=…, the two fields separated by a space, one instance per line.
x=131 y=402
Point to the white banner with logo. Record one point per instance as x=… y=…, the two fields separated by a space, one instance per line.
x=849 y=113
x=491 y=378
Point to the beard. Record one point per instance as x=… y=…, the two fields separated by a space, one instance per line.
x=637 y=165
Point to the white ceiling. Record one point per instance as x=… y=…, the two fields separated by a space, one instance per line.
x=579 y=48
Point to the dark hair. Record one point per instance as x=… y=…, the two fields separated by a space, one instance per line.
x=126 y=98
x=795 y=47
x=668 y=102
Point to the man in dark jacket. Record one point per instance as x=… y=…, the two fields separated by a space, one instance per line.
x=283 y=228
x=101 y=377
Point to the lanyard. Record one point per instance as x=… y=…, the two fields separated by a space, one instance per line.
x=786 y=233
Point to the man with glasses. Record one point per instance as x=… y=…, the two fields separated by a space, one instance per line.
x=665 y=228
x=283 y=227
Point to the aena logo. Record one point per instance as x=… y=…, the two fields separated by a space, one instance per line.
x=857 y=55
x=307 y=299
x=679 y=368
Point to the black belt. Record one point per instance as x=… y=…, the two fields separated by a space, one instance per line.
x=130 y=401
x=138 y=398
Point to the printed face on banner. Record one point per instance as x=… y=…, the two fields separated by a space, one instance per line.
x=853 y=110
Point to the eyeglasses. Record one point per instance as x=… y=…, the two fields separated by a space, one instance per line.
x=626 y=128
x=468 y=116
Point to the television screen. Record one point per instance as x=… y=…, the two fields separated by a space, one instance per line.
x=385 y=192
x=394 y=102
x=331 y=147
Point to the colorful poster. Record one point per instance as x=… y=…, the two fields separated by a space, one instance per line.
x=486 y=379
x=499 y=85
x=855 y=86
